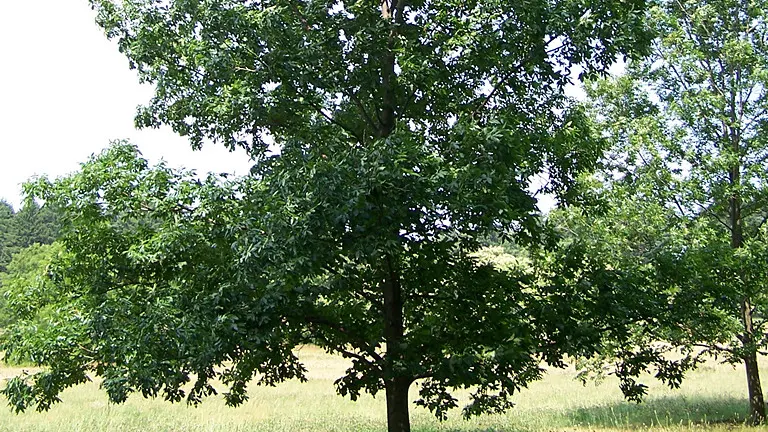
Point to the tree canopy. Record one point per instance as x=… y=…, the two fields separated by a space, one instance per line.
x=688 y=124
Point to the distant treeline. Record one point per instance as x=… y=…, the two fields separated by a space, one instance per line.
x=21 y=229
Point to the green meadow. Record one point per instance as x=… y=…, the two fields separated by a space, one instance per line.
x=712 y=398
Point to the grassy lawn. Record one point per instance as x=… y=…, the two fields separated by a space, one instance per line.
x=713 y=398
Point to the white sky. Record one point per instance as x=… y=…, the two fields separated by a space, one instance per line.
x=66 y=92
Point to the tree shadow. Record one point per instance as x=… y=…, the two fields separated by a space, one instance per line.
x=678 y=410
x=661 y=412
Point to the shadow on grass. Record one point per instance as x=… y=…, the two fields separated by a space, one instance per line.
x=663 y=411
x=660 y=412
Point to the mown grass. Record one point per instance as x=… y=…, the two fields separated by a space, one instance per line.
x=713 y=398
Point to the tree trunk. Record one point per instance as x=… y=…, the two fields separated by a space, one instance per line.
x=398 y=418
x=396 y=378
x=756 y=400
x=754 y=388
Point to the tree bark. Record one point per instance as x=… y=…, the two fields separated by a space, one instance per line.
x=396 y=379
x=398 y=417
x=754 y=387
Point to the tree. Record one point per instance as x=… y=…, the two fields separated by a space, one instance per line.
x=690 y=121
x=387 y=138
x=7 y=234
x=35 y=224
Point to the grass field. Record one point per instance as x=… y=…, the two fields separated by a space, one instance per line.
x=713 y=398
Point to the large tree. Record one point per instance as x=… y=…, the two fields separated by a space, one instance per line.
x=388 y=138
x=689 y=122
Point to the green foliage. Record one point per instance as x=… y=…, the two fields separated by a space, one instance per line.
x=21 y=256
x=629 y=257
x=26 y=282
x=388 y=139
x=228 y=70
x=7 y=234
x=686 y=180
x=35 y=224
x=24 y=228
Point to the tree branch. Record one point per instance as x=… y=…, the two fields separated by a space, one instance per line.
x=715 y=347
x=347 y=353
x=715 y=217
x=330 y=119
x=367 y=117
x=505 y=77
x=363 y=345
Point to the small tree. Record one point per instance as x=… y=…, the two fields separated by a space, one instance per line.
x=689 y=122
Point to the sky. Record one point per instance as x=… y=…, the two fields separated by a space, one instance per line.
x=66 y=92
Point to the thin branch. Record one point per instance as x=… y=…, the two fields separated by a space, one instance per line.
x=408 y=101
x=668 y=187
x=688 y=21
x=321 y=112
x=345 y=352
x=427 y=374
x=683 y=83
x=505 y=77
x=678 y=205
x=245 y=69
x=350 y=354
x=715 y=347
x=366 y=296
x=715 y=216
x=368 y=119
x=362 y=344
x=756 y=117
x=371 y=299
x=336 y=122
x=762 y=222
